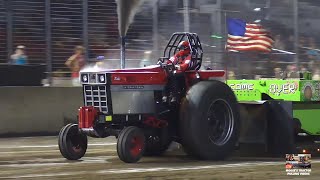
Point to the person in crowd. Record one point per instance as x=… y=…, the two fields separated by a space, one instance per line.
x=257 y=76
x=316 y=74
x=293 y=72
x=278 y=43
x=103 y=63
x=303 y=69
x=313 y=54
x=19 y=57
x=231 y=75
x=75 y=63
x=278 y=73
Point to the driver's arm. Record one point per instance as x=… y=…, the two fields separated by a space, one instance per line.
x=185 y=65
x=172 y=60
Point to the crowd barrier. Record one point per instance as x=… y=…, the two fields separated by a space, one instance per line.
x=27 y=111
x=21 y=75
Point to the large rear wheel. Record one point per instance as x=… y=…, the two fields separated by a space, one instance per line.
x=72 y=144
x=209 y=121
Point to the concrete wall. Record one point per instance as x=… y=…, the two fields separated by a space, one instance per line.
x=37 y=110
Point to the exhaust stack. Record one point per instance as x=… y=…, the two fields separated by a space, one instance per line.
x=126 y=12
x=123 y=52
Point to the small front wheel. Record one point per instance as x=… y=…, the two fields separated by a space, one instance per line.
x=131 y=144
x=72 y=144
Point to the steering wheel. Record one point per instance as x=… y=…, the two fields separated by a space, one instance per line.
x=169 y=68
x=162 y=60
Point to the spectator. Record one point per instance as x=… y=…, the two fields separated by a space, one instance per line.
x=316 y=75
x=311 y=65
x=303 y=69
x=292 y=71
x=19 y=57
x=102 y=63
x=257 y=77
x=278 y=73
x=231 y=75
x=75 y=63
x=278 y=42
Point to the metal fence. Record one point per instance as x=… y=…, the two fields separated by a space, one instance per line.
x=50 y=29
x=3 y=20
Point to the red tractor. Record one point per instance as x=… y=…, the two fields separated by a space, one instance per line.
x=127 y=104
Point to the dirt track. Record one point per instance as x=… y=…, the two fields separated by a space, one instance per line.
x=39 y=158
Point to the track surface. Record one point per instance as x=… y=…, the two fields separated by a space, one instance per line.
x=39 y=158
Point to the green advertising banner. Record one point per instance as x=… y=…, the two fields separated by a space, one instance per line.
x=289 y=90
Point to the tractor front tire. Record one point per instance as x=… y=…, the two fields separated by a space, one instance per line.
x=209 y=121
x=72 y=144
x=131 y=144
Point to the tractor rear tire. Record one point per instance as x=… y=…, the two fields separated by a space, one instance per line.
x=209 y=121
x=72 y=144
x=131 y=144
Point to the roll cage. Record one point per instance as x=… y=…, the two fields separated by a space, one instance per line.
x=195 y=47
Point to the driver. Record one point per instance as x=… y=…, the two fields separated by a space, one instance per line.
x=182 y=62
x=182 y=59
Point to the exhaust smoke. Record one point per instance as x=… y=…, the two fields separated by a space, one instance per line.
x=126 y=10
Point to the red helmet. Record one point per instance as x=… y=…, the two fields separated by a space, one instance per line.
x=184 y=45
x=184 y=48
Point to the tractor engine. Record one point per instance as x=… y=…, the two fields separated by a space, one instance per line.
x=118 y=98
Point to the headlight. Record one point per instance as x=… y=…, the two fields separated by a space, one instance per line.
x=84 y=78
x=102 y=78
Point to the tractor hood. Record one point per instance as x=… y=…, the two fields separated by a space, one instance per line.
x=150 y=75
x=97 y=69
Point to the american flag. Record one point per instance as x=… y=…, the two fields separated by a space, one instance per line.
x=244 y=36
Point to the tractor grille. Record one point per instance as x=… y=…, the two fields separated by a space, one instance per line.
x=96 y=96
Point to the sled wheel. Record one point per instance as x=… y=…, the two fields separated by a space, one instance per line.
x=131 y=144
x=209 y=121
x=72 y=144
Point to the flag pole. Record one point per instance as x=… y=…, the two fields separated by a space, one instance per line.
x=225 y=48
x=226 y=37
x=283 y=51
x=296 y=32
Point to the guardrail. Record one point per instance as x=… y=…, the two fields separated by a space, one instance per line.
x=37 y=110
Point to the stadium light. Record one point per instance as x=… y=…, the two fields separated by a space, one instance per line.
x=148 y=52
x=257 y=9
x=216 y=36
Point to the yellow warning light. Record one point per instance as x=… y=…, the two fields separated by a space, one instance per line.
x=304 y=151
